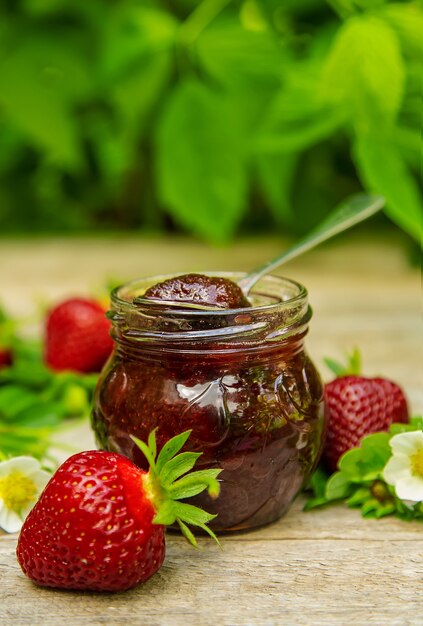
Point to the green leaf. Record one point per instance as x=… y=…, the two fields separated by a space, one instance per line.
x=34 y=74
x=195 y=483
x=335 y=366
x=338 y=486
x=407 y=142
x=170 y=448
x=132 y=35
x=370 y=507
x=276 y=175
x=298 y=117
x=187 y=534
x=14 y=399
x=137 y=92
x=358 y=497
x=416 y=423
x=318 y=482
x=349 y=463
x=40 y=414
x=177 y=466
x=352 y=366
x=296 y=135
x=233 y=55
x=27 y=373
x=145 y=450
x=382 y=170
x=365 y=71
x=192 y=514
x=17 y=440
x=166 y=514
x=407 y=20
x=313 y=503
x=376 y=450
x=385 y=509
x=152 y=444
x=201 y=174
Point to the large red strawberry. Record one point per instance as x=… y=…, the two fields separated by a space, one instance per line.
x=77 y=336
x=356 y=407
x=99 y=523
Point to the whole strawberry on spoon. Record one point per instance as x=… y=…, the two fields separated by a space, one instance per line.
x=100 y=522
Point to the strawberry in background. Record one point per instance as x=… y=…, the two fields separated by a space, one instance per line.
x=358 y=406
x=7 y=333
x=77 y=336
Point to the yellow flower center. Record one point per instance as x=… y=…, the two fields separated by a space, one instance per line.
x=17 y=491
x=417 y=463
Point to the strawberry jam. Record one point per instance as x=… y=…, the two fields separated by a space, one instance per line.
x=239 y=378
x=214 y=291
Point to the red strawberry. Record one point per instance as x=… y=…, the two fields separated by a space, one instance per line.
x=78 y=336
x=357 y=407
x=99 y=523
x=5 y=357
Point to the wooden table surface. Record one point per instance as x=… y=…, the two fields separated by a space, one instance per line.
x=325 y=567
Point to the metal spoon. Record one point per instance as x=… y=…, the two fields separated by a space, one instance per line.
x=352 y=211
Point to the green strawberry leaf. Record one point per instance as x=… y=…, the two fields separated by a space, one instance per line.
x=370 y=508
x=189 y=536
x=145 y=450
x=166 y=514
x=192 y=514
x=170 y=448
x=14 y=399
x=313 y=503
x=352 y=367
x=359 y=480
x=338 y=486
x=349 y=463
x=152 y=444
x=318 y=482
x=40 y=414
x=384 y=510
x=335 y=366
x=376 y=450
x=416 y=423
x=358 y=497
x=165 y=490
x=176 y=467
x=195 y=483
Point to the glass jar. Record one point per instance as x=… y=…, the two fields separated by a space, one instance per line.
x=240 y=379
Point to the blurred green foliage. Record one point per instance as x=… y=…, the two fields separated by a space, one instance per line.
x=206 y=116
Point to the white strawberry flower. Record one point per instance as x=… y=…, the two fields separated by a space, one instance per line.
x=404 y=470
x=21 y=482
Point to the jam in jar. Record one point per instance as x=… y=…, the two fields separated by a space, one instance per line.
x=240 y=379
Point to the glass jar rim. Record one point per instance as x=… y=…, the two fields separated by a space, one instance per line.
x=176 y=329
x=130 y=287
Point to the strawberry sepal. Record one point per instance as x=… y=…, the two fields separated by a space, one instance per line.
x=170 y=480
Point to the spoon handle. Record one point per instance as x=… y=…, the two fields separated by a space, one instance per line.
x=352 y=211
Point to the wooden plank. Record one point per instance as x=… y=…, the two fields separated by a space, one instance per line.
x=300 y=581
